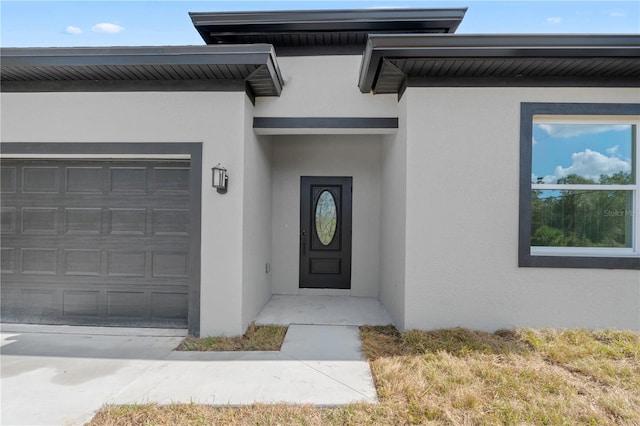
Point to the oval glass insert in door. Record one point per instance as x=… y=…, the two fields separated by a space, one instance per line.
x=326 y=217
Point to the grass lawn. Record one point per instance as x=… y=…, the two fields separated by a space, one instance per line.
x=457 y=377
x=256 y=338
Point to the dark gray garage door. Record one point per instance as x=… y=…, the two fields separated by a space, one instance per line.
x=95 y=242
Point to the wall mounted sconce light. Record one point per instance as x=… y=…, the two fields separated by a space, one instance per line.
x=220 y=179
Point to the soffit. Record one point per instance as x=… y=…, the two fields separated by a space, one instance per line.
x=312 y=32
x=254 y=66
x=393 y=62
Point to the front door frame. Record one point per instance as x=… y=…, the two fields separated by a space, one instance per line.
x=336 y=255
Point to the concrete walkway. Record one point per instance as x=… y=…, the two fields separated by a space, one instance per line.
x=326 y=310
x=62 y=375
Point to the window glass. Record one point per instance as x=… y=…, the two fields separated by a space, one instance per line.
x=582 y=153
x=577 y=218
x=579 y=185
x=326 y=217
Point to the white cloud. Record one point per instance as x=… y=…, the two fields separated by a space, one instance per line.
x=107 y=27
x=613 y=150
x=554 y=20
x=590 y=164
x=72 y=30
x=573 y=130
x=617 y=14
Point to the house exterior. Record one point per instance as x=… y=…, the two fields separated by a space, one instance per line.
x=369 y=153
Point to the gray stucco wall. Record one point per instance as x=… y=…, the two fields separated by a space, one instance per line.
x=215 y=119
x=326 y=155
x=462 y=220
x=393 y=213
x=256 y=218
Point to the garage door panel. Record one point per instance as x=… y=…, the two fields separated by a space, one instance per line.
x=105 y=241
x=40 y=179
x=131 y=180
x=82 y=221
x=170 y=222
x=171 y=179
x=127 y=264
x=157 y=200
x=84 y=180
x=123 y=304
x=8 y=179
x=82 y=262
x=7 y=220
x=38 y=302
x=169 y=306
x=39 y=261
x=89 y=257
x=170 y=264
x=7 y=260
x=40 y=220
x=127 y=221
x=30 y=303
x=79 y=282
x=101 y=304
x=95 y=242
x=81 y=303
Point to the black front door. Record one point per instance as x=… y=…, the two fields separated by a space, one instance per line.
x=325 y=232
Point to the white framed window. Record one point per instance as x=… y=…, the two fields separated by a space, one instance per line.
x=580 y=202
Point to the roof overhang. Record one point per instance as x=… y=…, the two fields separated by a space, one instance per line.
x=321 y=31
x=392 y=62
x=215 y=68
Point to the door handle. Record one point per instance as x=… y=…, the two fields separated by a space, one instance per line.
x=303 y=241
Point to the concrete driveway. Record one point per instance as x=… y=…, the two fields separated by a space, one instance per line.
x=61 y=375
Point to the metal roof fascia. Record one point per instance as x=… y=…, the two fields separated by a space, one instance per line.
x=230 y=54
x=121 y=85
x=369 y=66
x=337 y=18
x=274 y=71
x=381 y=46
x=400 y=41
x=256 y=54
x=263 y=23
x=137 y=50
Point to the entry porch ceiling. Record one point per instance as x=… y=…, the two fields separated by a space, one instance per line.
x=315 y=32
x=393 y=62
x=240 y=67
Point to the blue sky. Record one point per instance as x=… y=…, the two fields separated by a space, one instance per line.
x=587 y=150
x=144 y=23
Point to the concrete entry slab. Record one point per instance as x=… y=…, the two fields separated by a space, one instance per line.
x=325 y=310
x=57 y=378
